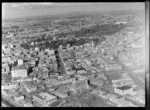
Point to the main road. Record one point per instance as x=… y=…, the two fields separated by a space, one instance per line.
x=60 y=61
x=130 y=72
x=8 y=102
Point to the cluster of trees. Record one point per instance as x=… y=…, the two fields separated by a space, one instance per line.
x=25 y=46
x=99 y=30
x=56 y=44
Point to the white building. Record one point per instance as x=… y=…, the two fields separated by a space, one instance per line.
x=51 y=52
x=32 y=43
x=3 y=46
x=17 y=72
x=18 y=98
x=81 y=72
x=120 y=22
x=36 y=48
x=28 y=105
x=112 y=67
x=20 y=62
x=44 y=98
x=10 y=86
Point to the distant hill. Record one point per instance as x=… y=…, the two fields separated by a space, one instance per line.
x=78 y=14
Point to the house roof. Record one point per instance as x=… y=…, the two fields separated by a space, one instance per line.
x=125 y=87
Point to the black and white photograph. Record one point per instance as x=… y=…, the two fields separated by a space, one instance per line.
x=73 y=54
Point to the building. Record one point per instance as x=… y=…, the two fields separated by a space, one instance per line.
x=45 y=75
x=20 y=62
x=10 y=86
x=120 y=101
x=139 y=70
x=52 y=52
x=68 y=45
x=71 y=72
x=96 y=81
x=60 y=94
x=80 y=84
x=36 y=49
x=123 y=90
x=18 y=71
x=65 y=81
x=10 y=35
x=120 y=22
x=3 y=46
x=98 y=91
x=18 y=98
x=121 y=80
x=5 y=68
x=110 y=67
x=33 y=62
x=81 y=72
x=28 y=86
x=28 y=104
x=44 y=98
x=88 y=62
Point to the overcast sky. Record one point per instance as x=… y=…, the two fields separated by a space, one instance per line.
x=15 y=10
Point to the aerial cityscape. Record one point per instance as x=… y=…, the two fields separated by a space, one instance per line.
x=73 y=55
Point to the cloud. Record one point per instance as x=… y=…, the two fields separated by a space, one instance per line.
x=45 y=4
x=29 y=5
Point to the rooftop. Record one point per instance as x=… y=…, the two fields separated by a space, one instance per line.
x=124 y=87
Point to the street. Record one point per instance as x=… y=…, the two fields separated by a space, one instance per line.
x=131 y=74
x=8 y=102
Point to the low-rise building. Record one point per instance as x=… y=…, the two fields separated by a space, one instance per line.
x=96 y=81
x=51 y=52
x=120 y=101
x=140 y=70
x=18 y=98
x=60 y=94
x=112 y=67
x=28 y=104
x=8 y=93
x=20 y=62
x=19 y=71
x=81 y=72
x=123 y=90
x=10 y=86
x=80 y=84
x=44 y=98
x=29 y=86
x=98 y=91
x=71 y=72
x=36 y=48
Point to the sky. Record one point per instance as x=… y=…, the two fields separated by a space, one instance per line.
x=25 y=9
